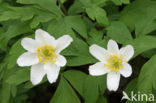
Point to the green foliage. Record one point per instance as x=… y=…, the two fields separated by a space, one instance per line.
x=77 y=81
x=147 y=80
x=19 y=76
x=97 y=13
x=64 y=93
x=93 y=88
x=119 y=32
x=88 y=22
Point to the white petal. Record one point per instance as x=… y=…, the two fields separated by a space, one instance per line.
x=44 y=37
x=113 y=79
x=127 y=52
x=52 y=71
x=126 y=71
x=99 y=52
x=61 y=61
x=37 y=74
x=98 y=69
x=30 y=44
x=112 y=47
x=27 y=59
x=63 y=42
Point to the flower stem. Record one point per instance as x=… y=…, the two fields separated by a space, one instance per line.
x=63 y=8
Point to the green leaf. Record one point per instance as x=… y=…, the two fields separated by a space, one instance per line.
x=67 y=25
x=5 y=93
x=93 y=87
x=64 y=28
x=76 y=8
x=76 y=79
x=147 y=80
x=64 y=93
x=136 y=11
x=143 y=44
x=102 y=99
x=119 y=2
x=49 y=5
x=15 y=28
x=78 y=54
x=20 y=76
x=14 y=53
x=119 y=32
x=97 y=13
x=131 y=87
x=149 y=53
x=30 y=12
x=13 y=90
x=145 y=26
x=77 y=24
x=96 y=37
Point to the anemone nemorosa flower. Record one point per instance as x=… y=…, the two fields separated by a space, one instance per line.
x=113 y=61
x=43 y=55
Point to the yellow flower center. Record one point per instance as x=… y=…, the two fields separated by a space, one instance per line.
x=46 y=54
x=114 y=63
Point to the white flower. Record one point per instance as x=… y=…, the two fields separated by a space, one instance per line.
x=43 y=55
x=112 y=61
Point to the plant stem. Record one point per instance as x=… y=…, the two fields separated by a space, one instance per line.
x=63 y=8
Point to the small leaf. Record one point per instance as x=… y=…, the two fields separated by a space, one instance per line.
x=97 y=13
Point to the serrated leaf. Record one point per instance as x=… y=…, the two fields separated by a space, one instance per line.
x=95 y=12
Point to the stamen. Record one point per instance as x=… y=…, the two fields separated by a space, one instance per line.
x=114 y=63
x=46 y=54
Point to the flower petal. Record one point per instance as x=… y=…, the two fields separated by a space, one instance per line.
x=127 y=52
x=30 y=44
x=112 y=47
x=52 y=71
x=98 y=69
x=27 y=59
x=113 y=79
x=126 y=71
x=63 y=42
x=99 y=52
x=61 y=61
x=44 y=37
x=37 y=73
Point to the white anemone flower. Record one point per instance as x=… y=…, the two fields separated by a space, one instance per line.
x=43 y=55
x=113 y=62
